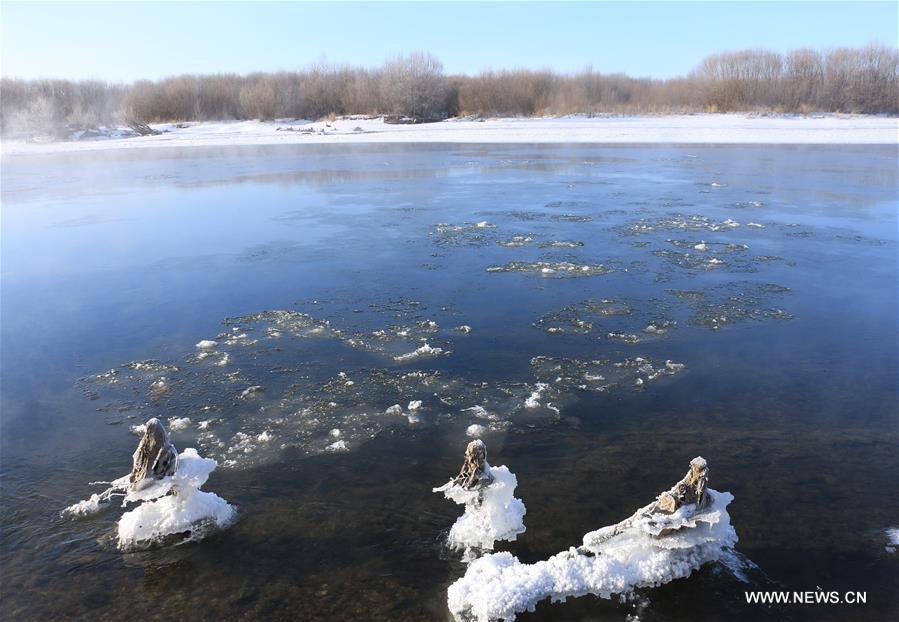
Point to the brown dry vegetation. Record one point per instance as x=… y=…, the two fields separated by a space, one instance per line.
x=862 y=80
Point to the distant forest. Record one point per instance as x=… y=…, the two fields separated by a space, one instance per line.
x=849 y=80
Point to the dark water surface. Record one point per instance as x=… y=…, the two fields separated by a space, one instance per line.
x=787 y=333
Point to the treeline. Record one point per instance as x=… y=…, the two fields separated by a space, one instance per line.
x=862 y=80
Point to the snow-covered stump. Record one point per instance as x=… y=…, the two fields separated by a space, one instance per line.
x=492 y=512
x=683 y=529
x=166 y=484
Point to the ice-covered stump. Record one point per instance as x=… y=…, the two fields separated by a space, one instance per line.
x=668 y=539
x=491 y=510
x=691 y=489
x=166 y=484
x=475 y=472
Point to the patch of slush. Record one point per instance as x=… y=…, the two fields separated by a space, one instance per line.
x=179 y=424
x=626 y=321
x=516 y=241
x=491 y=514
x=499 y=587
x=561 y=244
x=475 y=430
x=677 y=222
x=424 y=351
x=709 y=256
x=738 y=302
x=553 y=269
x=687 y=294
x=402 y=343
x=564 y=376
x=465 y=234
x=580 y=317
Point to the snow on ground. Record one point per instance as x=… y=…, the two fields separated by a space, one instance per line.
x=699 y=128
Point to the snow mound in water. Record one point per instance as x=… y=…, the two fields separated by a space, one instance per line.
x=892 y=539
x=491 y=513
x=649 y=551
x=174 y=506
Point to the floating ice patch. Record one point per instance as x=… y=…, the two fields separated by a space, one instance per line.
x=516 y=241
x=561 y=244
x=632 y=321
x=892 y=539
x=553 y=269
x=424 y=351
x=533 y=400
x=273 y=325
x=475 y=430
x=251 y=392
x=737 y=302
x=718 y=248
x=677 y=222
x=338 y=446
x=705 y=260
x=179 y=424
x=582 y=316
x=206 y=344
x=565 y=376
x=687 y=294
x=571 y=218
x=465 y=234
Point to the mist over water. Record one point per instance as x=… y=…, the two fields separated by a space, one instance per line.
x=603 y=314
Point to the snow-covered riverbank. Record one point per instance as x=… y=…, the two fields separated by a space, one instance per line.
x=700 y=128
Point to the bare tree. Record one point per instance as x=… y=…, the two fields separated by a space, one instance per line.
x=414 y=85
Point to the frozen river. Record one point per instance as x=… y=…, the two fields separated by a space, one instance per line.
x=598 y=315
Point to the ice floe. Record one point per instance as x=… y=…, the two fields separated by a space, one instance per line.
x=423 y=351
x=677 y=222
x=553 y=269
x=892 y=535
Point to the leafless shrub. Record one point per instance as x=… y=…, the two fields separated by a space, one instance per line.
x=414 y=85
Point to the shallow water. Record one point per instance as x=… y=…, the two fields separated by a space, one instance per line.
x=318 y=271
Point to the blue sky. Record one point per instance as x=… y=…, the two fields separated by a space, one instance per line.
x=129 y=40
